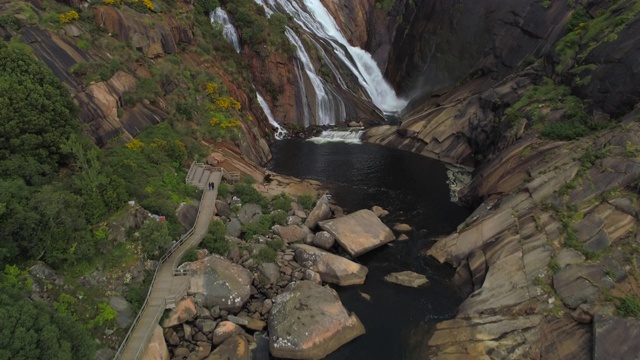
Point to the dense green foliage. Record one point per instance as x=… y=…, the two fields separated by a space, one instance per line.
x=215 y=241
x=249 y=195
x=31 y=330
x=282 y=202
x=575 y=121
x=306 y=200
x=629 y=306
x=260 y=227
x=585 y=32
x=36 y=116
x=154 y=238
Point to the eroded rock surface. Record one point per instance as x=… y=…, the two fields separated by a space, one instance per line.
x=308 y=321
x=332 y=268
x=222 y=282
x=359 y=232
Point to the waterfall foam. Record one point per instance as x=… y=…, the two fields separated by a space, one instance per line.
x=280 y=133
x=229 y=32
x=348 y=136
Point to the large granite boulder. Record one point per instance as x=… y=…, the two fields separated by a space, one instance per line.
x=235 y=347
x=185 y=311
x=157 y=347
x=222 y=282
x=249 y=213
x=320 y=212
x=358 y=232
x=308 y=321
x=616 y=338
x=332 y=268
x=291 y=233
x=124 y=316
x=323 y=240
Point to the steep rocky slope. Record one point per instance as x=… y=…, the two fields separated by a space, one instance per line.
x=552 y=249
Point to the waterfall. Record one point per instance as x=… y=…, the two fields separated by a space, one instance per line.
x=329 y=106
x=281 y=133
x=267 y=9
x=229 y=32
x=348 y=136
x=317 y=20
x=329 y=63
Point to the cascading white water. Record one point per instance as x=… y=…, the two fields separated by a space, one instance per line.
x=329 y=107
x=329 y=63
x=266 y=7
x=317 y=20
x=348 y=136
x=281 y=133
x=228 y=30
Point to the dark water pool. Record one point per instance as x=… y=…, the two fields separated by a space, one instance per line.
x=414 y=190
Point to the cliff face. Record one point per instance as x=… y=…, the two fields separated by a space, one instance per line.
x=546 y=257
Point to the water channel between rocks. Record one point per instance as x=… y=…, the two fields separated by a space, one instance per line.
x=414 y=189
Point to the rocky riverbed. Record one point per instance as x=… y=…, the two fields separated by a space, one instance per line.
x=243 y=303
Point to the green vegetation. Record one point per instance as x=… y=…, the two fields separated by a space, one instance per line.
x=260 y=227
x=249 y=195
x=307 y=201
x=215 y=241
x=585 y=32
x=266 y=255
x=279 y=217
x=154 y=238
x=282 y=202
x=384 y=4
x=190 y=255
x=629 y=306
x=574 y=123
x=32 y=330
x=36 y=116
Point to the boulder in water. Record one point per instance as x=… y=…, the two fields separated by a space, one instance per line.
x=332 y=268
x=308 y=321
x=359 y=232
x=407 y=278
x=380 y=212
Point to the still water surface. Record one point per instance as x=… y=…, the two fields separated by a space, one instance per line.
x=414 y=190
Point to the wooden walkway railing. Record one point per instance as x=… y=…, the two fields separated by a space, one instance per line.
x=136 y=340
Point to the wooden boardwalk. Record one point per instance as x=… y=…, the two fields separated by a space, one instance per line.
x=166 y=288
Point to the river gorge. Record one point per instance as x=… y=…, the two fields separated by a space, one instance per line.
x=533 y=105
x=414 y=190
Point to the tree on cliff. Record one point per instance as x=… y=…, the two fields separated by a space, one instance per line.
x=36 y=116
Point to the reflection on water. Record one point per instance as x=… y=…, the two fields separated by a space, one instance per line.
x=414 y=189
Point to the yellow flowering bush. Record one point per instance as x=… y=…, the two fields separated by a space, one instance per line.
x=135 y=145
x=68 y=17
x=223 y=111
x=159 y=144
x=148 y=4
